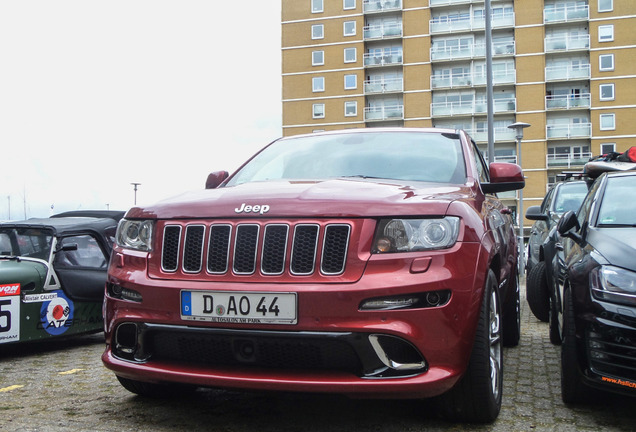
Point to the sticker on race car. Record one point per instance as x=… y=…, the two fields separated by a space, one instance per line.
x=38 y=298
x=9 y=313
x=55 y=314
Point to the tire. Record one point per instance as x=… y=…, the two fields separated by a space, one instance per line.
x=476 y=398
x=537 y=292
x=556 y=336
x=573 y=391
x=152 y=390
x=512 y=315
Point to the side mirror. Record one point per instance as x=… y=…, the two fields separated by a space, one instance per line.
x=215 y=179
x=534 y=213
x=67 y=247
x=567 y=226
x=504 y=177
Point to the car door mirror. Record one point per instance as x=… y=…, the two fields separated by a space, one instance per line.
x=504 y=177
x=534 y=213
x=215 y=179
x=568 y=225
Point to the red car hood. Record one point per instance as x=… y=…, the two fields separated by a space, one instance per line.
x=329 y=198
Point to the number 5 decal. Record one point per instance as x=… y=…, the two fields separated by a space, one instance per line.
x=10 y=319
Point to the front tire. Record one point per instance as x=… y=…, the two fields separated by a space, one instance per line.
x=512 y=314
x=477 y=395
x=573 y=390
x=537 y=292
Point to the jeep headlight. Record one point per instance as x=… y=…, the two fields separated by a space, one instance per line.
x=135 y=234
x=613 y=284
x=408 y=235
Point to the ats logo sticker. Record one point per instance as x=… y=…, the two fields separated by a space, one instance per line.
x=55 y=314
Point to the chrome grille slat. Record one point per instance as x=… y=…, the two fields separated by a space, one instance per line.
x=219 y=248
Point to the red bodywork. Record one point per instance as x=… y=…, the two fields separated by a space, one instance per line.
x=330 y=304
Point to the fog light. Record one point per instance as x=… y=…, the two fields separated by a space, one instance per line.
x=128 y=294
x=413 y=301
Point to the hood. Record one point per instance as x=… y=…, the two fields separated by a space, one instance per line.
x=617 y=245
x=329 y=198
x=29 y=274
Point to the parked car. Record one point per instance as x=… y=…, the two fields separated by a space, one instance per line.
x=594 y=297
x=563 y=196
x=53 y=275
x=370 y=262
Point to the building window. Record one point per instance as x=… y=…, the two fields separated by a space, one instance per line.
x=608 y=121
x=351 y=109
x=318 y=84
x=350 y=82
x=318 y=111
x=350 y=55
x=605 y=5
x=316 y=6
x=317 y=31
x=608 y=148
x=606 y=62
x=350 y=4
x=317 y=58
x=606 y=92
x=349 y=28
x=606 y=33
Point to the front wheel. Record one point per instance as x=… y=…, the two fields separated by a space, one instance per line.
x=512 y=314
x=537 y=292
x=477 y=395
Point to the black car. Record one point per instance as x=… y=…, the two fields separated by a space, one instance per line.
x=594 y=297
x=563 y=196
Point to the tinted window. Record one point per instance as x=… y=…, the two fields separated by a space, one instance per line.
x=569 y=197
x=616 y=208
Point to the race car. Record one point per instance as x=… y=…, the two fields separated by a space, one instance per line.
x=53 y=275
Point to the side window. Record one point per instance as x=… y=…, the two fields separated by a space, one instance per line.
x=482 y=169
x=545 y=205
x=586 y=206
x=87 y=255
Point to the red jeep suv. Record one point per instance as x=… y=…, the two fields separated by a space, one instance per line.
x=368 y=262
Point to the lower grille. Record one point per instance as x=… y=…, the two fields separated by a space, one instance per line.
x=612 y=352
x=265 y=352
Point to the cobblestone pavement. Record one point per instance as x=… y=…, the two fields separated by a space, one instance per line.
x=63 y=386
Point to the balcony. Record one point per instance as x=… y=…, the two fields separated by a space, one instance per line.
x=568 y=101
x=385 y=59
x=567 y=160
x=375 y=6
x=471 y=51
x=566 y=14
x=567 y=43
x=566 y=73
x=389 y=85
x=452 y=2
x=507 y=76
x=388 y=112
x=499 y=135
x=467 y=23
x=383 y=31
x=472 y=107
x=569 y=130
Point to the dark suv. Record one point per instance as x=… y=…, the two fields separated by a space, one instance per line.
x=370 y=262
x=562 y=197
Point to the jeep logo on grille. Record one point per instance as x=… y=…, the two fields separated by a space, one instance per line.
x=244 y=208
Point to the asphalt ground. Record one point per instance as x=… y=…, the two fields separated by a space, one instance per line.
x=63 y=386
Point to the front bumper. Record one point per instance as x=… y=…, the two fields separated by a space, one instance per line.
x=609 y=341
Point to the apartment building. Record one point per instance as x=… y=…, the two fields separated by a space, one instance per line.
x=568 y=68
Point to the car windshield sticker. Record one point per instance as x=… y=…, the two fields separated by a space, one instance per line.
x=57 y=314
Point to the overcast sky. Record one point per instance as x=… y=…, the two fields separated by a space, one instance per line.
x=98 y=94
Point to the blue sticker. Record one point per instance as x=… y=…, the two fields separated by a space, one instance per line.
x=56 y=316
x=186 y=303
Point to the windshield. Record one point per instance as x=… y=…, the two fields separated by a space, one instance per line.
x=570 y=197
x=26 y=242
x=617 y=207
x=420 y=156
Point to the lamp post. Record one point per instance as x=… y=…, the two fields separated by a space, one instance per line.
x=518 y=127
x=135 y=189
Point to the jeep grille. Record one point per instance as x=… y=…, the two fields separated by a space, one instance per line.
x=242 y=248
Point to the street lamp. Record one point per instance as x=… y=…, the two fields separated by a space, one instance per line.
x=518 y=127
x=135 y=189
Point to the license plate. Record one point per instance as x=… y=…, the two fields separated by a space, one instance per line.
x=239 y=307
